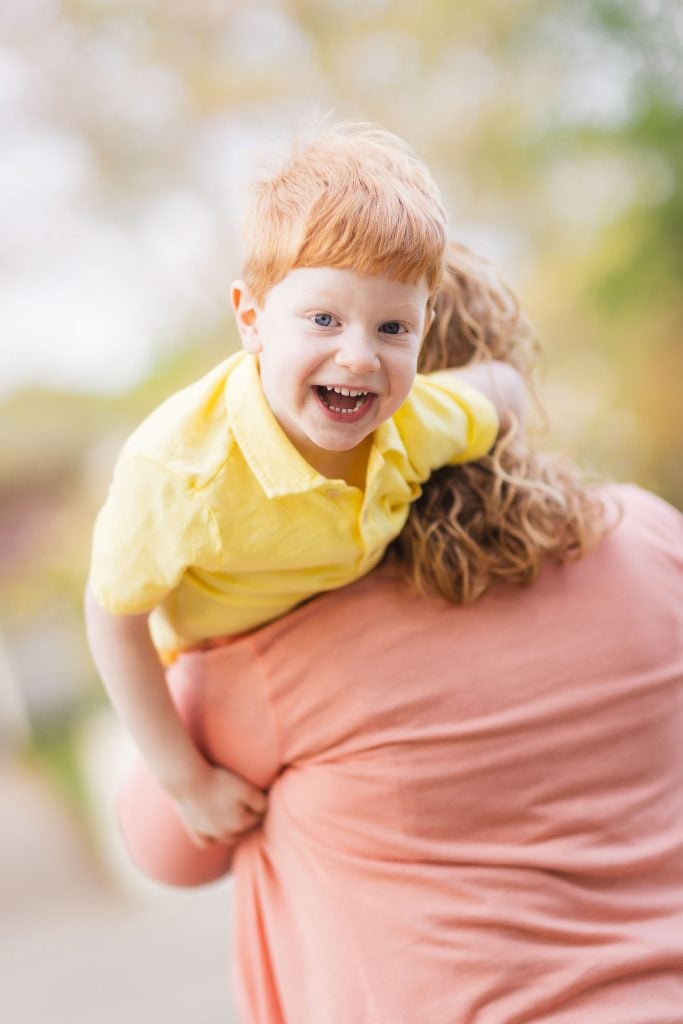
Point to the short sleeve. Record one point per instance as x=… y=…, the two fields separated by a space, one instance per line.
x=152 y=527
x=445 y=421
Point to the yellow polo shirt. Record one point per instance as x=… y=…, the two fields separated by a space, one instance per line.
x=216 y=524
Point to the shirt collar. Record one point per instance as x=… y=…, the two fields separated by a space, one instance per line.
x=270 y=455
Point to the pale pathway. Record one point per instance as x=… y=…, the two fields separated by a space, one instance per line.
x=79 y=946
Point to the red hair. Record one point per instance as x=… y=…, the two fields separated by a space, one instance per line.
x=351 y=197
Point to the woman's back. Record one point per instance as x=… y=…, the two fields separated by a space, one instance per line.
x=478 y=811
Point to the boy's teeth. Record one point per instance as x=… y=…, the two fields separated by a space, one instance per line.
x=359 y=398
x=346 y=391
x=357 y=406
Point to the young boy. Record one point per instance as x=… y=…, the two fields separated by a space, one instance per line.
x=289 y=468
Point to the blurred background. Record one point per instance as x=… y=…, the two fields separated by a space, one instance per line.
x=128 y=131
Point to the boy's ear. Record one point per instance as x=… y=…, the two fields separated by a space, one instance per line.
x=246 y=312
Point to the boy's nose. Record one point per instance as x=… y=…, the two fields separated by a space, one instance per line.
x=357 y=353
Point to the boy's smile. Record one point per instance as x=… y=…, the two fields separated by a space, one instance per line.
x=337 y=355
x=343 y=403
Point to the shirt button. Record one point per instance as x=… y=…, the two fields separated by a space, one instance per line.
x=333 y=492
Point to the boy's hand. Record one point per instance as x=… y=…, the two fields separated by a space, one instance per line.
x=503 y=384
x=219 y=806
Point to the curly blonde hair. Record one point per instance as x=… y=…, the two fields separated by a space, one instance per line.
x=497 y=519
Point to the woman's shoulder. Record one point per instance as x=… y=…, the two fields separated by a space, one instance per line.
x=642 y=513
x=640 y=558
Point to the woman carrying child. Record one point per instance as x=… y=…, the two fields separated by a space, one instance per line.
x=289 y=468
x=475 y=792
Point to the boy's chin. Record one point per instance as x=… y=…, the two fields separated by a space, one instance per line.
x=339 y=445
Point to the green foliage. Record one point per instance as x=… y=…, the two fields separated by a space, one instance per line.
x=55 y=751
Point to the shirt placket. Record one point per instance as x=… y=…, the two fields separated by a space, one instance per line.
x=371 y=534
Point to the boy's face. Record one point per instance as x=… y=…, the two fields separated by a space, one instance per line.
x=321 y=332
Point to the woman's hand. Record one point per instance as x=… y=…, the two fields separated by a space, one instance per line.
x=216 y=805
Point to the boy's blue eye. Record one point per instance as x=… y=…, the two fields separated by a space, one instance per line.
x=322 y=320
x=392 y=327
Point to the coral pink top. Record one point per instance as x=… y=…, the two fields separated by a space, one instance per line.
x=476 y=813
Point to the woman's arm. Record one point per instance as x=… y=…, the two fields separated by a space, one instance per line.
x=212 y=802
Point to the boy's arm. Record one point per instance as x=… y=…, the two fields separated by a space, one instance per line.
x=502 y=384
x=213 y=802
